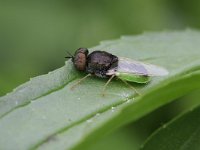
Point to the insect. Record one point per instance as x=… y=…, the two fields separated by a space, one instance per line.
x=105 y=65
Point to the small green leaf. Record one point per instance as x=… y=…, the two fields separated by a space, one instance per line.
x=45 y=113
x=183 y=133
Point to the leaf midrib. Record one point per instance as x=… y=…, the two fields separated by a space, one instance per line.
x=31 y=100
x=186 y=71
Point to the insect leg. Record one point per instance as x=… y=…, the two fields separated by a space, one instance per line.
x=136 y=91
x=104 y=87
x=79 y=81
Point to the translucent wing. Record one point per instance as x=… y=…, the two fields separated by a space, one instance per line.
x=126 y=65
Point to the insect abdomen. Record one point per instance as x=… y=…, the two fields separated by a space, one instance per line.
x=133 y=78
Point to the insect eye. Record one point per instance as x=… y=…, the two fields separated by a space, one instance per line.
x=82 y=50
x=80 y=58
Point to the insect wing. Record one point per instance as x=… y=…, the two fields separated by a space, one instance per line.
x=126 y=65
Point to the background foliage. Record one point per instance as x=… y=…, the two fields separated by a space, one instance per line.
x=34 y=35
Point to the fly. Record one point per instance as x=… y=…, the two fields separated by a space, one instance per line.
x=106 y=65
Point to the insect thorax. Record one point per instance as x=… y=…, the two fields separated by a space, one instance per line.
x=99 y=62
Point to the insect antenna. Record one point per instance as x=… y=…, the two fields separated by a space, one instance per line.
x=70 y=55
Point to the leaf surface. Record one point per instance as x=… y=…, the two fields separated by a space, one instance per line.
x=45 y=113
x=182 y=133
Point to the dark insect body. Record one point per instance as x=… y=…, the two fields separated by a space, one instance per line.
x=96 y=63
x=103 y=64
x=99 y=62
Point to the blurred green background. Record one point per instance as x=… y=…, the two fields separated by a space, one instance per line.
x=35 y=35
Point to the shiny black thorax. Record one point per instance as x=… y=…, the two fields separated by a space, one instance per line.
x=99 y=62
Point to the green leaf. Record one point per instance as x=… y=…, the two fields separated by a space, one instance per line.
x=182 y=133
x=45 y=113
x=121 y=139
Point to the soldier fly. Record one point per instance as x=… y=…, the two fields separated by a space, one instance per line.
x=106 y=65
